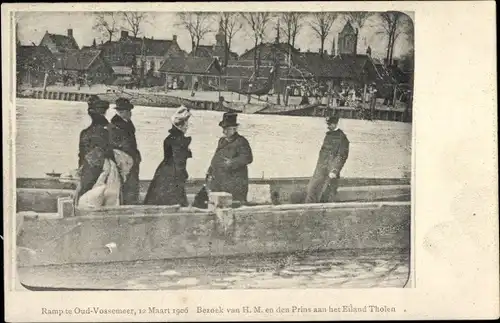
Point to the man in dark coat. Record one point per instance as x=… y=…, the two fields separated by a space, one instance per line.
x=332 y=157
x=94 y=146
x=122 y=132
x=228 y=171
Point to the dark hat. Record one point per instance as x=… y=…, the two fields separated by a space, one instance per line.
x=97 y=104
x=229 y=120
x=123 y=104
x=333 y=119
x=92 y=98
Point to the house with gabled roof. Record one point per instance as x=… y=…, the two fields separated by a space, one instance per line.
x=85 y=64
x=187 y=70
x=59 y=43
x=145 y=54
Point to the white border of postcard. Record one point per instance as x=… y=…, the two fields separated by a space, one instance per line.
x=454 y=192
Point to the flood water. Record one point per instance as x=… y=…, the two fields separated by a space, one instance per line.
x=333 y=269
x=48 y=133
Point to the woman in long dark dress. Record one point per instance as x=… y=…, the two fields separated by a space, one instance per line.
x=169 y=181
x=94 y=146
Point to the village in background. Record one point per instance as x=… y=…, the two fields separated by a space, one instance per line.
x=125 y=61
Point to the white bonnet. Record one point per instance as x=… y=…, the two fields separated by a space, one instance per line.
x=180 y=116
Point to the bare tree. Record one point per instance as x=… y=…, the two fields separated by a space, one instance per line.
x=230 y=25
x=292 y=23
x=134 y=20
x=321 y=24
x=357 y=18
x=106 y=23
x=392 y=26
x=197 y=24
x=258 y=22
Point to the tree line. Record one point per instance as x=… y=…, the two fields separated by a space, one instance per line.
x=390 y=24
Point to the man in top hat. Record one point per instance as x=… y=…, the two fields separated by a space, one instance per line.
x=228 y=171
x=332 y=157
x=122 y=132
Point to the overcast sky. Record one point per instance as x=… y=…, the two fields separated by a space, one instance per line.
x=162 y=25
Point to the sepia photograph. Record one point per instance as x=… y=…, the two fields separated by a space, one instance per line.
x=213 y=150
x=250 y=161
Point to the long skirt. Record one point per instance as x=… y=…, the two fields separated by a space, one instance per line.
x=166 y=188
x=130 y=188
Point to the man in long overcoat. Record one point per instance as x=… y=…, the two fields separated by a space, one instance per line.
x=332 y=157
x=228 y=171
x=122 y=131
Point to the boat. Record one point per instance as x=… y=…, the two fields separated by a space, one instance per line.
x=41 y=194
x=148 y=99
x=368 y=213
x=53 y=174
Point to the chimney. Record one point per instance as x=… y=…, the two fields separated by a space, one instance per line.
x=70 y=33
x=124 y=34
x=369 y=51
x=174 y=38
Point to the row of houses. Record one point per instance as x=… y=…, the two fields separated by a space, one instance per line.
x=129 y=58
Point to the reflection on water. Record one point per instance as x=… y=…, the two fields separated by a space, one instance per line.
x=333 y=269
x=48 y=131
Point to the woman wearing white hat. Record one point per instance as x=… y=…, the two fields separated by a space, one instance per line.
x=168 y=184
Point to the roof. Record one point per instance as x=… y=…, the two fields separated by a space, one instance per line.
x=79 y=60
x=122 y=70
x=62 y=41
x=211 y=51
x=348 y=29
x=152 y=47
x=266 y=50
x=188 y=65
x=246 y=72
x=32 y=55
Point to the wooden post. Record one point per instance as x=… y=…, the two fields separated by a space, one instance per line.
x=364 y=94
x=219 y=80
x=394 y=96
x=46 y=76
x=239 y=96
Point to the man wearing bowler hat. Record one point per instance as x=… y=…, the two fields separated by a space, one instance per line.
x=228 y=171
x=323 y=185
x=122 y=132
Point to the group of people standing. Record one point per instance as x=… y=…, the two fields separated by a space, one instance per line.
x=109 y=161
x=109 y=158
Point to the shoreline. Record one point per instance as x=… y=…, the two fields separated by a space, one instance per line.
x=165 y=100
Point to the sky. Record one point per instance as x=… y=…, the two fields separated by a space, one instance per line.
x=163 y=25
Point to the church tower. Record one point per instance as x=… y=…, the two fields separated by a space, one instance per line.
x=348 y=40
x=220 y=39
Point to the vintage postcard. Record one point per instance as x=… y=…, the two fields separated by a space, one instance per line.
x=250 y=161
